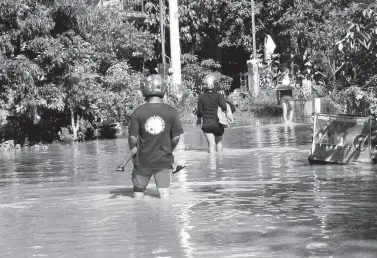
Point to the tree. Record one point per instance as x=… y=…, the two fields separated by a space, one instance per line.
x=55 y=56
x=116 y=40
x=359 y=44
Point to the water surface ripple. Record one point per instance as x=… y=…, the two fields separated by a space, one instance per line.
x=260 y=198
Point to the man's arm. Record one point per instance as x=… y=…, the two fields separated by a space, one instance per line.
x=128 y=158
x=132 y=141
x=133 y=131
x=176 y=130
x=174 y=142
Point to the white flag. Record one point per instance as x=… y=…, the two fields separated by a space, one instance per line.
x=269 y=47
x=270 y=44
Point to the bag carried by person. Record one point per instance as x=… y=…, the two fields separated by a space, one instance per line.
x=225 y=118
x=232 y=106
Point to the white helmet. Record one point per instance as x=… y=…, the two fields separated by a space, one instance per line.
x=211 y=80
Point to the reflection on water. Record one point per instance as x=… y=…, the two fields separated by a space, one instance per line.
x=260 y=198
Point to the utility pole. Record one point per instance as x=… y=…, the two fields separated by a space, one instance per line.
x=253 y=64
x=162 y=33
x=253 y=28
x=175 y=49
x=162 y=68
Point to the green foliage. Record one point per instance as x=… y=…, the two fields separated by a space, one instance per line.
x=72 y=59
x=121 y=94
x=359 y=44
x=66 y=135
x=336 y=37
x=206 y=25
x=23 y=129
x=66 y=56
x=193 y=73
x=265 y=103
x=354 y=101
x=187 y=104
x=107 y=132
x=115 y=40
x=224 y=23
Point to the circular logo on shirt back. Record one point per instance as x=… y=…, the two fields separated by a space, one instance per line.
x=155 y=125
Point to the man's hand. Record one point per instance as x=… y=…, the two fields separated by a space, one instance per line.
x=177 y=168
x=120 y=168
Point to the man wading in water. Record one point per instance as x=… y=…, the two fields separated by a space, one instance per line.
x=155 y=130
x=284 y=92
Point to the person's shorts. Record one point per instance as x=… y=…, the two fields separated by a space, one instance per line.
x=142 y=176
x=212 y=126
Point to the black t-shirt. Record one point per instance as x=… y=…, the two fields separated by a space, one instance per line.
x=208 y=103
x=155 y=124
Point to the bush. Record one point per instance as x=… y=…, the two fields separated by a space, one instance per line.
x=108 y=132
x=354 y=101
x=265 y=103
x=193 y=73
x=65 y=135
x=187 y=103
x=21 y=129
x=122 y=94
x=86 y=130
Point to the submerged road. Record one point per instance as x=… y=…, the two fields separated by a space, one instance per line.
x=260 y=198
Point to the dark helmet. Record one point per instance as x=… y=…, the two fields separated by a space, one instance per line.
x=154 y=85
x=210 y=81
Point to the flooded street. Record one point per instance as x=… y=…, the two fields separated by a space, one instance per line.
x=260 y=198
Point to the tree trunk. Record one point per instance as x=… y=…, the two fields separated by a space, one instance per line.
x=75 y=126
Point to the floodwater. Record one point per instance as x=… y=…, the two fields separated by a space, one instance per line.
x=259 y=199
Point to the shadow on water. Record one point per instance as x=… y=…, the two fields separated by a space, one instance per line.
x=260 y=198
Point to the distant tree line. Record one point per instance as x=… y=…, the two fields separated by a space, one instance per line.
x=69 y=63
